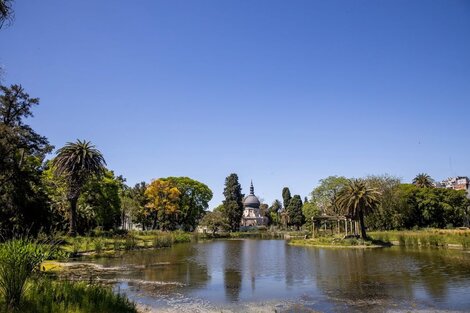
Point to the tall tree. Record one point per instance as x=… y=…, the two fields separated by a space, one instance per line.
x=423 y=180
x=23 y=203
x=233 y=203
x=77 y=162
x=286 y=196
x=294 y=211
x=358 y=199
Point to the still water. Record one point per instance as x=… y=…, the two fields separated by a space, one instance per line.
x=227 y=274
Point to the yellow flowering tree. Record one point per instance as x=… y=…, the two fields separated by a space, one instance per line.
x=163 y=204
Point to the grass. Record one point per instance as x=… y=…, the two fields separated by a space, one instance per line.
x=335 y=241
x=100 y=245
x=426 y=237
x=46 y=295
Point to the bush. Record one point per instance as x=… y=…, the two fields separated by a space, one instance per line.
x=130 y=243
x=99 y=245
x=76 y=245
x=162 y=241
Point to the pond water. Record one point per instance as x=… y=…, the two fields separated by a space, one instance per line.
x=236 y=275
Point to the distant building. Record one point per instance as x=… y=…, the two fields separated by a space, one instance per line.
x=251 y=212
x=456 y=183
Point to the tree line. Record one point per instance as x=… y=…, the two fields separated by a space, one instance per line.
x=376 y=202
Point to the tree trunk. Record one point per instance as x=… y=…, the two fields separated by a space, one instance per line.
x=363 y=227
x=73 y=217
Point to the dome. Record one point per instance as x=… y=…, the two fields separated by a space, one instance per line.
x=251 y=200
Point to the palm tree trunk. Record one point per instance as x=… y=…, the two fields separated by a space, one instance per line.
x=363 y=227
x=73 y=217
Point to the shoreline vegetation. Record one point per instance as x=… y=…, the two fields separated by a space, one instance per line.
x=109 y=245
x=438 y=238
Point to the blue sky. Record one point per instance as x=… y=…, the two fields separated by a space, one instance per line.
x=281 y=92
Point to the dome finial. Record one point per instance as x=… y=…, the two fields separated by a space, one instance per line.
x=252 y=189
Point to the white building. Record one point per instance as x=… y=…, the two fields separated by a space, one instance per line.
x=251 y=212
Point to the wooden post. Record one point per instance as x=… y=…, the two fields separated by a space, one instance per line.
x=337 y=224
x=313 y=228
x=346 y=226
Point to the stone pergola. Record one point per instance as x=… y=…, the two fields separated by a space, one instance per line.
x=350 y=227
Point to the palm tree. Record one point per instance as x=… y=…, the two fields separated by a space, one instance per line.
x=357 y=199
x=77 y=162
x=423 y=180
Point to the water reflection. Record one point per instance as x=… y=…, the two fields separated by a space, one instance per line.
x=233 y=264
x=241 y=271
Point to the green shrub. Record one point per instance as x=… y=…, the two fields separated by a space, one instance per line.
x=76 y=245
x=163 y=241
x=401 y=240
x=179 y=237
x=130 y=243
x=117 y=245
x=99 y=245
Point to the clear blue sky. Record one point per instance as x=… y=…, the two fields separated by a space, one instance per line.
x=281 y=92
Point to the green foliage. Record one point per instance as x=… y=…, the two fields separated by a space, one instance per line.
x=23 y=202
x=388 y=214
x=193 y=201
x=324 y=196
x=100 y=203
x=310 y=210
x=286 y=197
x=233 y=203
x=432 y=207
x=19 y=259
x=294 y=211
x=215 y=221
x=163 y=241
x=99 y=245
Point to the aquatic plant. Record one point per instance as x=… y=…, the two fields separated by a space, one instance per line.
x=99 y=244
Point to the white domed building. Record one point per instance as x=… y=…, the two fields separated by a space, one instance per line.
x=251 y=212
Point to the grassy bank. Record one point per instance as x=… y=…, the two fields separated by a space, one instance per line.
x=254 y=234
x=428 y=237
x=334 y=241
x=109 y=245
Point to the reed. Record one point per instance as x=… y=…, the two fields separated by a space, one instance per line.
x=19 y=260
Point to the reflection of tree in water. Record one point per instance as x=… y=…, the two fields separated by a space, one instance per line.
x=361 y=277
x=373 y=278
x=232 y=275
x=439 y=267
x=233 y=283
